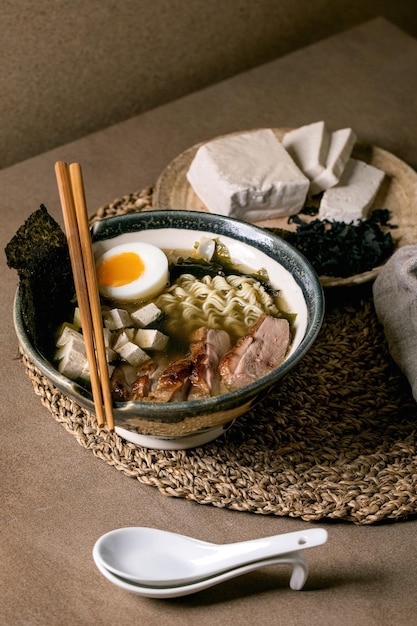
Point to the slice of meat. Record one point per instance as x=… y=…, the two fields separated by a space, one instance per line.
x=231 y=360
x=140 y=388
x=146 y=376
x=256 y=354
x=121 y=381
x=173 y=382
x=207 y=347
x=119 y=385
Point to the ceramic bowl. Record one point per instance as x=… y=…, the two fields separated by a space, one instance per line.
x=176 y=425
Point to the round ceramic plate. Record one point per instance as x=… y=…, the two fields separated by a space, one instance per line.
x=398 y=194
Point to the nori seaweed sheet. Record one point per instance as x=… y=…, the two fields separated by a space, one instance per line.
x=39 y=252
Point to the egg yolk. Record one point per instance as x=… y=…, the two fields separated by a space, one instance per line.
x=120 y=269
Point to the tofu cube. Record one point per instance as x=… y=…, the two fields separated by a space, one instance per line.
x=133 y=354
x=72 y=345
x=130 y=333
x=122 y=339
x=151 y=339
x=77 y=318
x=146 y=315
x=107 y=336
x=85 y=374
x=66 y=333
x=116 y=319
x=72 y=360
x=111 y=355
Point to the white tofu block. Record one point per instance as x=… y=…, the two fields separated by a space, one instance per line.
x=77 y=318
x=151 y=339
x=351 y=199
x=205 y=247
x=116 y=319
x=85 y=374
x=130 y=333
x=249 y=176
x=122 y=339
x=66 y=333
x=308 y=145
x=107 y=336
x=340 y=150
x=72 y=345
x=111 y=355
x=146 y=314
x=133 y=354
x=72 y=362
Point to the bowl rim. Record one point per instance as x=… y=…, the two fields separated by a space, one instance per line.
x=265 y=241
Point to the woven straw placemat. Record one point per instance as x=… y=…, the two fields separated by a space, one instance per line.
x=335 y=439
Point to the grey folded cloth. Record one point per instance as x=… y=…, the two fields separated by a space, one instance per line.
x=395 y=299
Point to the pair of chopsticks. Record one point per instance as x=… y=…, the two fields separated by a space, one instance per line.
x=71 y=192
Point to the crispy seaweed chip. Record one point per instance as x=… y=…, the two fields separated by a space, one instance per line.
x=39 y=253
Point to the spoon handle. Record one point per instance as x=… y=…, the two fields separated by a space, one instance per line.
x=276 y=545
x=299 y=540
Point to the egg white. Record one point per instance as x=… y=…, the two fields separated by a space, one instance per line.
x=150 y=283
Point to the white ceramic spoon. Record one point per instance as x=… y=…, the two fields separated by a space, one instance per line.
x=295 y=559
x=158 y=558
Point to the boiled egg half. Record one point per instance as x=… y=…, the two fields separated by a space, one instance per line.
x=133 y=271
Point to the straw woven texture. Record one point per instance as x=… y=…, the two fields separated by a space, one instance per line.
x=335 y=439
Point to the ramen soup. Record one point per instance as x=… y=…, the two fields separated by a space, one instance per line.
x=180 y=325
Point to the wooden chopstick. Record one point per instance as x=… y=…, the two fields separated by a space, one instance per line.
x=92 y=287
x=77 y=240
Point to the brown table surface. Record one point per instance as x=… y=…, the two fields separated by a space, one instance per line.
x=57 y=498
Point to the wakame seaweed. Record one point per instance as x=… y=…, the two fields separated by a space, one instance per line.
x=200 y=267
x=196 y=267
x=340 y=249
